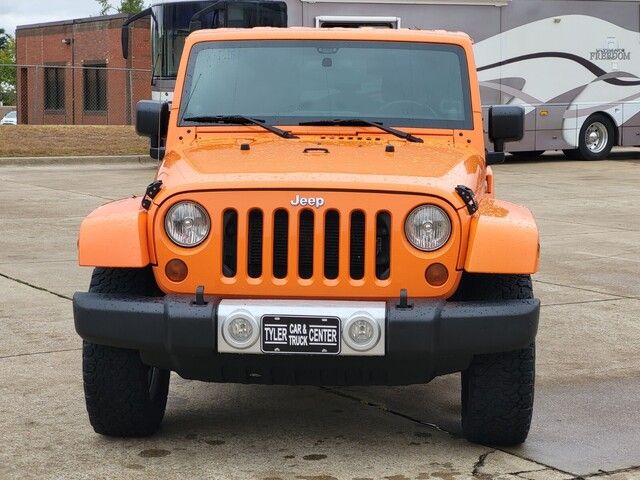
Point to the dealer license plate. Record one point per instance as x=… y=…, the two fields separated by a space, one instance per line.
x=289 y=334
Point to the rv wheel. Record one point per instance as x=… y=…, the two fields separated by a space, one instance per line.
x=596 y=139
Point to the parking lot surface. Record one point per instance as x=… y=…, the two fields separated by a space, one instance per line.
x=587 y=414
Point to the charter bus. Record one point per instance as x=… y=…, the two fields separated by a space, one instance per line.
x=573 y=65
x=172 y=21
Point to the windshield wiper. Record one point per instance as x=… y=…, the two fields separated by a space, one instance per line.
x=359 y=122
x=239 y=120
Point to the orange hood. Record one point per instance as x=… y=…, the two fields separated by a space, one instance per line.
x=434 y=167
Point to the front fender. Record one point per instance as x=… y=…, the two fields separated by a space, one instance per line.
x=115 y=235
x=503 y=238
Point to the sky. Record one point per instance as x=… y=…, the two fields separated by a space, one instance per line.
x=22 y=12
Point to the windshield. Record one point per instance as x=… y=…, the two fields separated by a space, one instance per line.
x=291 y=82
x=11 y=115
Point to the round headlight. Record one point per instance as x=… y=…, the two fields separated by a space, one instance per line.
x=427 y=228
x=187 y=224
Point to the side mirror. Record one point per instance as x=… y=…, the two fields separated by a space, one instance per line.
x=152 y=120
x=506 y=124
x=124 y=34
x=124 y=39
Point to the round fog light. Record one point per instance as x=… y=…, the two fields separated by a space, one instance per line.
x=361 y=332
x=176 y=270
x=240 y=331
x=437 y=274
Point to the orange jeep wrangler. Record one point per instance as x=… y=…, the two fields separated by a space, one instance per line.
x=324 y=214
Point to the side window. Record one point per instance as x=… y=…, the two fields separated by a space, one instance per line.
x=54 y=88
x=95 y=88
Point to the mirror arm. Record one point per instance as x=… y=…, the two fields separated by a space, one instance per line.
x=156 y=148
x=124 y=35
x=494 y=158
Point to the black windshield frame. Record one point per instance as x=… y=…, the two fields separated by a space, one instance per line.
x=464 y=124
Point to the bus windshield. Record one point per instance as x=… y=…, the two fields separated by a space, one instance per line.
x=290 y=82
x=170 y=29
x=172 y=22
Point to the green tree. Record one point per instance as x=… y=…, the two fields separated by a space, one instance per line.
x=126 y=6
x=105 y=7
x=7 y=69
x=131 y=6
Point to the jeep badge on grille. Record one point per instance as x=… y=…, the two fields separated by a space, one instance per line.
x=299 y=201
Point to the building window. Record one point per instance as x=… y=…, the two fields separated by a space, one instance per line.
x=95 y=88
x=54 y=88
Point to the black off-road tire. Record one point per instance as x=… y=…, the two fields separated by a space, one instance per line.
x=583 y=152
x=133 y=281
x=124 y=397
x=498 y=389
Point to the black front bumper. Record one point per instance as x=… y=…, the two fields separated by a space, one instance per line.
x=429 y=339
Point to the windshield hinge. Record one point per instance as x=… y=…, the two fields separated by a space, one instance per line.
x=151 y=193
x=468 y=197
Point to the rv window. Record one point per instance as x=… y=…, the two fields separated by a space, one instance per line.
x=354 y=21
x=357 y=25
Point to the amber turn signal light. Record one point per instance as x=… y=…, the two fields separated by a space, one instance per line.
x=176 y=270
x=437 y=274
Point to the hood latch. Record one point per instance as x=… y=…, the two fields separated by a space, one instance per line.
x=151 y=193
x=468 y=197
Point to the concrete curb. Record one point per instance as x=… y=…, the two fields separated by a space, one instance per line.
x=85 y=160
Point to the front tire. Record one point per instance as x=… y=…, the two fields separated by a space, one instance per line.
x=498 y=389
x=597 y=137
x=124 y=397
x=497 y=397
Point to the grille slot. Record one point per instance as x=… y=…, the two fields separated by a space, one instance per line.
x=254 y=246
x=383 y=246
x=356 y=250
x=305 y=244
x=280 y=243
x=230 y=243
x=331 y=244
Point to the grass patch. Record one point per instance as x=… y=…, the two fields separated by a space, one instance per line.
x=70 y=140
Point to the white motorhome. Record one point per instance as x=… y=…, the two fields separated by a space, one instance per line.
x=573 y=64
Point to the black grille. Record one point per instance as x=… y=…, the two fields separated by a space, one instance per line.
x=356 y=261
x=280 y=243
x=353 y=226
x=383 y=246
x=254 y=255
x=331 y=244
x=230 y=243
x=305 y=245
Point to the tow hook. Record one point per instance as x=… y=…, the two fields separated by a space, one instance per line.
x=200 y=302
x=404 y=301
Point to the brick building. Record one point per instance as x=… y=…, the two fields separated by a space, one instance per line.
x=73 y=72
